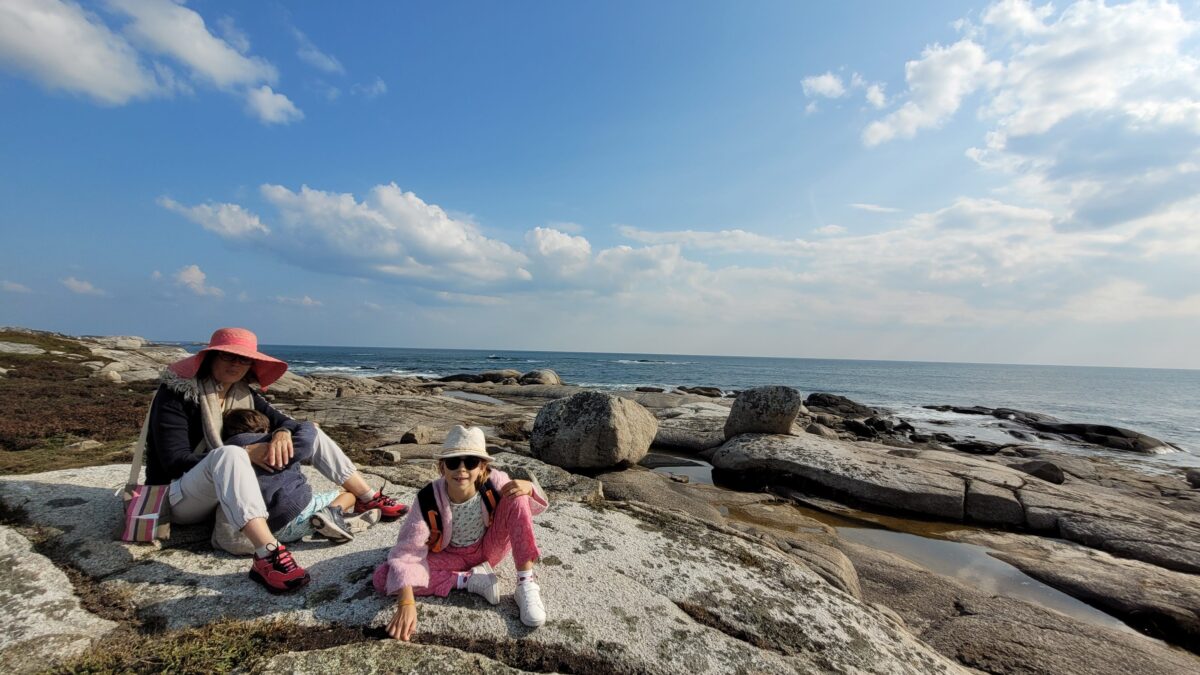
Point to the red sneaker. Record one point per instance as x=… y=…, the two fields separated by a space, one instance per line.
x=278 y=572
x=389 y=508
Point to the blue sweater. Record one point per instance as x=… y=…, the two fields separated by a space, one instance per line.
x=285 y=492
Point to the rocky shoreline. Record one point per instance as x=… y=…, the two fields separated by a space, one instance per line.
x=695 y=577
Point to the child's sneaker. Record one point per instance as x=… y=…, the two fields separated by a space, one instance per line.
x=529 y=601
x=389 y=508
x=361 y=522
x=331 y=522
x=483 y=581
x=278 y=572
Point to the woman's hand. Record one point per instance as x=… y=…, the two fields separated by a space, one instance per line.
x=516 y=488
x=259 y=453
x=281 y=450
x=404 y=622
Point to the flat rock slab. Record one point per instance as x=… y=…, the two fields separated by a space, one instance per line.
x=961 y=487
x=1000 y=635
x=44 y=624
x=627 y=589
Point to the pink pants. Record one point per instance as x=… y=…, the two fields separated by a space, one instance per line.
x=511 y=528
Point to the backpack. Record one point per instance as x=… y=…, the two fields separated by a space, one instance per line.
x=428 y=506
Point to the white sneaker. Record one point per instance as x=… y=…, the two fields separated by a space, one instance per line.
x=529 y=600
x=483 y=581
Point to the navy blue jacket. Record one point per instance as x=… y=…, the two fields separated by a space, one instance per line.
x=176 y=429
x=285 y=492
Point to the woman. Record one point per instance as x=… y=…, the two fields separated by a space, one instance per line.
x=184 y=448
x=467 y=521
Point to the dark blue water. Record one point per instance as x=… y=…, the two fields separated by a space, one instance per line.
x=1161 y=403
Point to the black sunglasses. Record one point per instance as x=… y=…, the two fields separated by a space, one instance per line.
x=453 y=463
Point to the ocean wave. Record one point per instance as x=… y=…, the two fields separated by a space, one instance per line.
x=651 y=362
x=412 y=373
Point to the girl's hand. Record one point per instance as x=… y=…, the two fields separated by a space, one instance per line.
x=517 y=488
x=403 y=623
x=258 y=455
x=281 y=450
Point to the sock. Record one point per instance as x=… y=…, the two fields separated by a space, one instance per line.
x=368 y=495
x=264 y=551
x=522 y=577
x=462 y=580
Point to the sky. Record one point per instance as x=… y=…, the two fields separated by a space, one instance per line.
x=1005 y=182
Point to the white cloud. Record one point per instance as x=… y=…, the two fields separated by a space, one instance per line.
x=156 y=275
x=173 y=30
x=469 y=299
x=727 y=241
x=811 y=108
x=228 y=220
x=192 y=278
x=1124 y=300
x=14 y=287
x=271 y=107
x=314 y=57
x=81 y=287
x=61 y=46
x=235 y=36
x=370 y=90
x=303 y=301
x=827 y=85
x=873 y=208
x=875 y=96
x=937 y=84
x=830 y=229
x=557 y=252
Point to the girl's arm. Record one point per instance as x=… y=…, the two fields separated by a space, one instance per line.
x=404 y=622
x=407 y=561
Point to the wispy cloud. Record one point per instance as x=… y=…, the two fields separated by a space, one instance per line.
x=81 y=287
x=228 y=220
x=303 y=301
x=370 y=90
x=308 y=52
x=13 y=287
x=873 y=208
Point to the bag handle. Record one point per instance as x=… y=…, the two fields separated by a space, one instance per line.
x=139 y=453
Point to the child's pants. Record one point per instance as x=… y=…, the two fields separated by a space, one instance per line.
x=511 y=528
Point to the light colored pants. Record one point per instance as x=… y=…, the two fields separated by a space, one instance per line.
x=225 y=478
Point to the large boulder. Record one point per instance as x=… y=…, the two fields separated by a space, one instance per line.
x=541 y=376
x=764 y=410
x=43 y=621
x=499 y=376
x=836 y=405
x=592 y=430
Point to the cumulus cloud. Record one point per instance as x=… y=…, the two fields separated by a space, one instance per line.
x=163 y=47
x=271 y=107
x=1124 y=300
x=81 y=287
x=827 y=85
x=230 y=221
x=193 y=279
x=308 y=52
x=937 y=84
x=13 y=287
x=62 y=46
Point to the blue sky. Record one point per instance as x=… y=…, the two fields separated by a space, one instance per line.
x=996 y=182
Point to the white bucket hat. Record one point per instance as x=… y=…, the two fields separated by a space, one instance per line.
x=464 y=442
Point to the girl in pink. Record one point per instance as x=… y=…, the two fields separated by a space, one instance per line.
x=467 y=521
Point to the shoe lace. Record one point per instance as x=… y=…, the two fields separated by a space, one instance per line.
x=384 y=500
x=283 y=560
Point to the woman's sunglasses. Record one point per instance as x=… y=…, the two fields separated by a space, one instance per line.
x=235 y=358
x=453 y=463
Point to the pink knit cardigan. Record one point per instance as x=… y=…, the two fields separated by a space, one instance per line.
x=407 y=565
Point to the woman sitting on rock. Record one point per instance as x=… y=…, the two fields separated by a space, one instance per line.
x=466 y=522
x=184 y=448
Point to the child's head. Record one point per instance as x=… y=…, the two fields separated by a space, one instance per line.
x=464 y=459
x=244 y=422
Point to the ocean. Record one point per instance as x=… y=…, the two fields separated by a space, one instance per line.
x=1161 y=403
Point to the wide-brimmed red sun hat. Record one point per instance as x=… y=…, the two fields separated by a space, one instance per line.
x=235 y=341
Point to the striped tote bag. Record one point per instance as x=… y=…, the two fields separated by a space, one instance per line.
x=147 y=507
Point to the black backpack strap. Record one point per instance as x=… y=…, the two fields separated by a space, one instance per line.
x=491 y=498
x=428 y=508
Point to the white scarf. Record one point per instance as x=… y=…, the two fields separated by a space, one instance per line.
x=212 y=410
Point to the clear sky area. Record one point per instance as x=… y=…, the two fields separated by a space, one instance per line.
x=950 y=181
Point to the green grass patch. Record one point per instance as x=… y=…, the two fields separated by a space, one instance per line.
x=47 y=341
x=219 y=647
